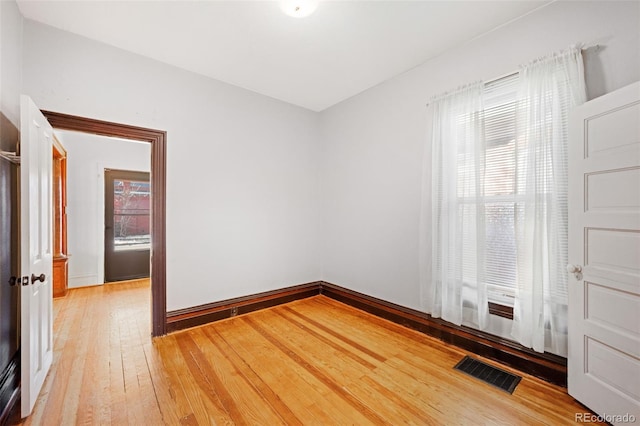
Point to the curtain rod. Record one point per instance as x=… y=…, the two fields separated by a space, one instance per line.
x=512 y=73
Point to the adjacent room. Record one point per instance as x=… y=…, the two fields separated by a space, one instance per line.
x=319 y=212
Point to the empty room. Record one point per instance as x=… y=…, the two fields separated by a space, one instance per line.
x=319 y=212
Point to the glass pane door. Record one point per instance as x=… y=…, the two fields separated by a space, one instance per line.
x=127 y=237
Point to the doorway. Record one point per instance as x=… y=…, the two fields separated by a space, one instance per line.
x=157 y=180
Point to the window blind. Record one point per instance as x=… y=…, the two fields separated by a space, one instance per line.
x=502 y=194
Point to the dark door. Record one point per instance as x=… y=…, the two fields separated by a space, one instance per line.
x=127 y=239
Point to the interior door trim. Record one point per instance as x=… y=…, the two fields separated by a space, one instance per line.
x=158 y=141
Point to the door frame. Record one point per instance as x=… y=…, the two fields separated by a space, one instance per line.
x=158 y=141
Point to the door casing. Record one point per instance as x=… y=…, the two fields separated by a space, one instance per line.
x=158 y=141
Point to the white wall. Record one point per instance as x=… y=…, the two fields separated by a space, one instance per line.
x=373 y=143
x=87 y=157
x=242 y=173
x=257 y=163
x=10 y=61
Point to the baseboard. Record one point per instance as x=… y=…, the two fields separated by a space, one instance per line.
x=548 y=367
x=9 y=388
x=202 y=314
x=78 y=281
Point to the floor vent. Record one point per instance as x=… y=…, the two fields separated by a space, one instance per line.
x=488 y=374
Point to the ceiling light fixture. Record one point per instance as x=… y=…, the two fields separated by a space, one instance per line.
x=298 y=8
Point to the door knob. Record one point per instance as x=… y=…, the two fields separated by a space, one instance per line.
x=576 y=270
x=35 y=278
x=572 y=269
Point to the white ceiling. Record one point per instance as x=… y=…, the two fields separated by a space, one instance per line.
x=342 y=49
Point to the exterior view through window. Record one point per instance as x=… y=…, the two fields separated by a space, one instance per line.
x=131 y=201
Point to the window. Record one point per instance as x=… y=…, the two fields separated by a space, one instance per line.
x=499 y=201
x=131 y=201
x=498 y=197
x=502 y=192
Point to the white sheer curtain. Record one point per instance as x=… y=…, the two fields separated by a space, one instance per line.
x=455 y=287
x=456 y=290
x=549 y=88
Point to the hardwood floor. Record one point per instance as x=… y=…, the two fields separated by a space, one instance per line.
x=313 y=361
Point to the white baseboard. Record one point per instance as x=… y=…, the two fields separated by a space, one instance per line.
x=83 y=280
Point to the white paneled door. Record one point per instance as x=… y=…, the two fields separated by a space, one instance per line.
x=604 y=255
x=36 y=246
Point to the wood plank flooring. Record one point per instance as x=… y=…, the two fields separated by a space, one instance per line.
x=310 y=362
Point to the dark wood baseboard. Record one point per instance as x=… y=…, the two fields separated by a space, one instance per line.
x=202 y=314
x=9 y=388
x=549 y=367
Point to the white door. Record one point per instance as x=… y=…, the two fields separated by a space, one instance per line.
x=604 y=255
x=36 y=246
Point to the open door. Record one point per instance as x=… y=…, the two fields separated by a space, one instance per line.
x=604 y=255
x=36 y=252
